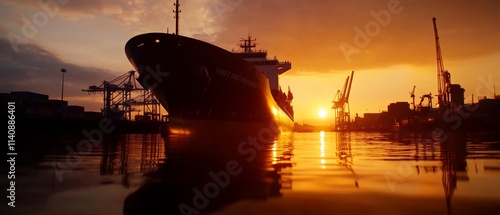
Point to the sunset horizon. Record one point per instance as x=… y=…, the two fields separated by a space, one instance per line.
x=390 y=45
x=274 y=107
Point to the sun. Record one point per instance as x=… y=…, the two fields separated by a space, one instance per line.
x=322 y=113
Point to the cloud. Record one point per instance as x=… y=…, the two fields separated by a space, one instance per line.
x=35 y=69
x=133 y=12
x=137 y=16
x=309 y=33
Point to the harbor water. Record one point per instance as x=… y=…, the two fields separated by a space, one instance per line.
x=230 y=173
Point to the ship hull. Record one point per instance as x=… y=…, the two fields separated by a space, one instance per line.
x=197 y=82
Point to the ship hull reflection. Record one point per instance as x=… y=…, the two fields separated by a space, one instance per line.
x=207 y=169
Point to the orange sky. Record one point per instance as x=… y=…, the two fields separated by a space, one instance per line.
x=87 y=38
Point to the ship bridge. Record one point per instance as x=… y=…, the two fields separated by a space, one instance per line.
x=271 y=68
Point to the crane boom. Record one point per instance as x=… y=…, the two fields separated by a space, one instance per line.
x=340 y=96
x=412 y=96
x=443 y=76
x=344 y=91
x=349 y=88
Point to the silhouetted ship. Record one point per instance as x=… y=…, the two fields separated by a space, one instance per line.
x=198 y=82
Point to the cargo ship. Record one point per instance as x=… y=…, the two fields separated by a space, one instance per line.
x=201 y=84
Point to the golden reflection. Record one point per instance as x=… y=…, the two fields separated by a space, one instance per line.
x=215 y=169
x=453 y=154
x=344 y=153
x=130 y=154
x=322 y=149
x=275 y=154
x=174 y=129
x=282 y=162
x=452 y=147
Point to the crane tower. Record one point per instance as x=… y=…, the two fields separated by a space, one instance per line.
x=341 y=105
x=118 y=100
x=443 y=76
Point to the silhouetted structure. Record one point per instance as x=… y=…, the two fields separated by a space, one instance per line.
x=118 y=100
x=56 y=116
x=457 y=95
x=341 y=105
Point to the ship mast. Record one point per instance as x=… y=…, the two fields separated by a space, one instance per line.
x=177 y=11
x=247 y=44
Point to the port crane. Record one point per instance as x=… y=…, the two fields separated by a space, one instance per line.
x=118 y=102
x=443 y=76
x=412 y=96
x=421 y=105
x=150 y=106
x=341 y=105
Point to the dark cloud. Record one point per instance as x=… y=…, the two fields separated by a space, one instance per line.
x=33 y=68
x=67 y=6
x=138 y=15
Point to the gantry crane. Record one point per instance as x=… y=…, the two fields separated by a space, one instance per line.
x=421 y=105
x=443 y=76
x=341 y=105
x=150 y=106
x=118 y=96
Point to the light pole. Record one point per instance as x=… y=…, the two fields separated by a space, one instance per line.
x=62 y=89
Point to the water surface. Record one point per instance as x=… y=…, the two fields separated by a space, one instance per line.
x=244 y=173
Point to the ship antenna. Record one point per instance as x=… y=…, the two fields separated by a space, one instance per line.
x=247 y=43
x=177 y=11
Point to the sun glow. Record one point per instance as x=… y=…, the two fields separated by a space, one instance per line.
x=322 y=113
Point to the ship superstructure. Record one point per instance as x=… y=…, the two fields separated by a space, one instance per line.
x=271 y=68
